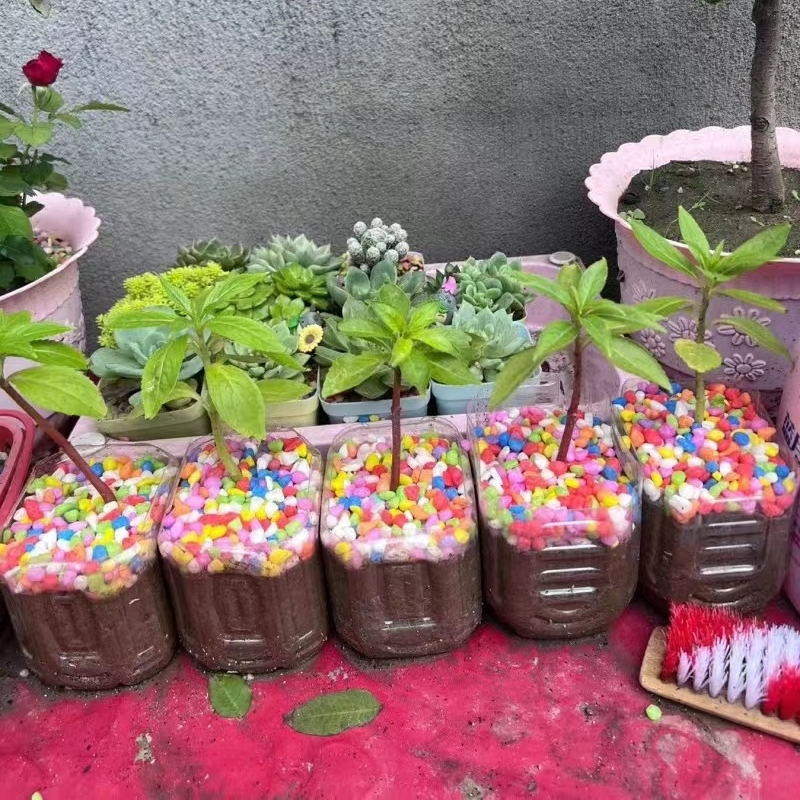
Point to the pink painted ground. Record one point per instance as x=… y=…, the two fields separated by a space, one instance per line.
x=500 y=718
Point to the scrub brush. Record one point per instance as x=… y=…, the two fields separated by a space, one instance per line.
x=739 y=659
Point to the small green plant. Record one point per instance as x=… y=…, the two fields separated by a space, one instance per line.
x=362 y=286
x=592 y=320
x=201 y=326
x=283 y=251
x=57 y=383
x=302 y=283
x=213 y=251
x=406 y=341
x=263 y=367
x=710 y=271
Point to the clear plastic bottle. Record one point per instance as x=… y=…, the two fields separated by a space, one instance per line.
x=242 y=558
x=403 y=568
x=81 y=581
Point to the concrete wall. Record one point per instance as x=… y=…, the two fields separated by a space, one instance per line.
x=472 y=122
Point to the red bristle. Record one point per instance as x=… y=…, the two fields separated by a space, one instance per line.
x=783 y=695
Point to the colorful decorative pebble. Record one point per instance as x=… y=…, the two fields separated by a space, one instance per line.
x=729 y=463
x=262 y=524
x=537 y=501
x=429 y=518
x=52 y=245
x=63 y=537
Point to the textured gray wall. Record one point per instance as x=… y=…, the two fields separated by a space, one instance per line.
x=473 y=122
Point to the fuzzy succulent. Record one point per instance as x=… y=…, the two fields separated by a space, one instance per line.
x=283 y=251
x=265 y=368
x=213 y=250
x=301 y=283
x=494 y=335
x=376 y=242
x=359 y=285
x=132 y=349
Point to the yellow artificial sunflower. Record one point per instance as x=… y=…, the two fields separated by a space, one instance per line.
x=308 y=338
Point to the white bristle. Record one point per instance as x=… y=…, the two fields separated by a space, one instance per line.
x=774 y=652
x=718 y=672
x=736 y=662
x=684 y=668
x=754 y=668
x=791 y=647
x=700 y=665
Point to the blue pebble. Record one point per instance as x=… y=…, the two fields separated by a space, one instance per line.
x=344 y=502
x=671 y=405
x=515 y=445
x=355 y=502
x=66 y=535
x=478 y=431
x=119 y=522
x=741 y=438
x=97 y=469
x=759 y=472
x=376 y=558
x=99 y=553
x=517 y=511
x=676 y=388
x=689 y=447
x=712 y=466
x=619 y=401
x=609 y=473
x=451 y=493
x=29 y=547
x=593 y=450
x=147 y=466
x=438 y=483
x=284 y=481
x=503 y=440
x=782 y=472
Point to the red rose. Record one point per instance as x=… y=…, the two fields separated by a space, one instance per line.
x=42 y=70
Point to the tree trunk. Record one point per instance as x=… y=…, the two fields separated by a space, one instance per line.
x=768 y=189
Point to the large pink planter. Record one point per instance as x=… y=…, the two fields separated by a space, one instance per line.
x=56 y=297
x=789 y=429
x=744 y=363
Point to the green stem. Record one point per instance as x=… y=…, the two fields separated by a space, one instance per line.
x=699 y=379
x=396 y=433
x=222 y=448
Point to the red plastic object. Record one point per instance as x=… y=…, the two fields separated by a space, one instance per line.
x=17 y=434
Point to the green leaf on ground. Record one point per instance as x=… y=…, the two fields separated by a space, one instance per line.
x=230 y=695
x=333 y=713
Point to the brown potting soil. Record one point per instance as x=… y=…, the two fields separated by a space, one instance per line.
x=70 y=639
x=735 y=560
x=717 y=195
x=249 y=623
x=561 y=591
x=401 y=610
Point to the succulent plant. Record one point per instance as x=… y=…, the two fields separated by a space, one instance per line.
x=359 y=285
x=262 y=367
x=255 y=302
x=214 y=251
x=495 y=336
x=284 y=309
x=132 y=350
x=283 y=251
x=376 y=242
x=299 y=282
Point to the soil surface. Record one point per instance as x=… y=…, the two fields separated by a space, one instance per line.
x=718 y=196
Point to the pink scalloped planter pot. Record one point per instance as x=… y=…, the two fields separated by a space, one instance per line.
x=744 y=364
x=56 y=297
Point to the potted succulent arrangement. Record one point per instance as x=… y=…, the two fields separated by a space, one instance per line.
x=240 y=540
x=560 y=513
x=77 y=560
x=718 y=490
x=731 y=179
x=398 y=522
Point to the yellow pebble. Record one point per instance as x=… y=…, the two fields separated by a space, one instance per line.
x=406 y=480
x=341 y=548
x=108 y=565
x=572 y=483
x=261 y=512
x=248 y=514
x=657 y=479
x=771 y=449
x=216 y=565
x=302 y=450
x=461 y=536
x=715 y=435
x=609 y=500
x=372 y=461
x=280 y=555
x=270 y=570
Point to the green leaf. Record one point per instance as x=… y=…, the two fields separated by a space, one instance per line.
x=7 y=127
x=36 y=174
x=247 y=332
x=47 y=99
x=42 y=6
x=365 y=329
x=230 y=695
x=13 y=222
x=758 y=333
x=415 y=371
x=553 y=338
x=12 y=345
x=599 y=333
x=547 y=288
x=95 y=106
x=423 y=316
x=35 y=134
x=8 y=151
x=663 y=306
x=12 y=183
x=389 y=316
x=330 y=714
x=633 y=358
x=592 y=281
x=349 y=371
x=148 y=318
x=56 y=182
x=451 y=371
x=401 y=351
x=693 y=236
x=569 y=277
x=444 y=340
x=58 y=354
x=394 y=296
x=161 y=374
x=37 y=330
x=222 y=293
x=281 y=390
x=622 y=319
x=59 y=389
x=515 y=372
x=755 y=252
x=71 y=120
x=698 y=356
x=182 y=391
x=753 y=299
x=8 y=110
x=661 y=249
x=177 y=297
x=237 y=399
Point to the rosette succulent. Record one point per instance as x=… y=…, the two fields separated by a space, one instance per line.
x=263 y=367
x=256 y=302
x=359 y=285
x=301 y=283
x=214 y=251
x=376 y=242
x=283 y=251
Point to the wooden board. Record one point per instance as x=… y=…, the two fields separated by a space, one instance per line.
x=650 y=679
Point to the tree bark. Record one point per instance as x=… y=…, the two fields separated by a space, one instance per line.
x=767 y=181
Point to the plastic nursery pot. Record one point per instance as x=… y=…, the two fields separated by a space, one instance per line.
x=375 y=410
x=731 y=550
x=81 y=582
x=178 y=423
x=295 y=413
x=242 y=559
x=403 y=568
x=559 y=540
x=455 y=399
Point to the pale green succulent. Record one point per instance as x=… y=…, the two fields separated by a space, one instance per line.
x=359 y=285
x=495 y=336
x=213 y=250
x=376 y=242
x=491 y=283
x=284 y=309
x=283 y=251
x=133 y=348
x=255 y=303
x=260 y=368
